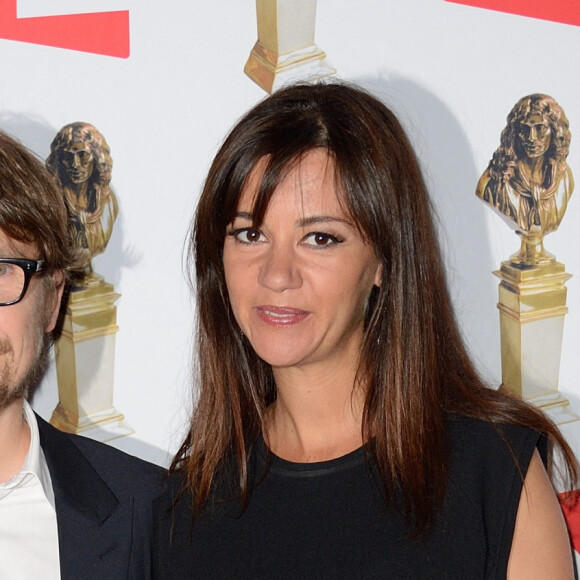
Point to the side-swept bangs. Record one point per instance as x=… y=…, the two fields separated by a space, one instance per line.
x=375 y=169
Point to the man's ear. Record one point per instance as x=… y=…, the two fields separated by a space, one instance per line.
x=54 y=298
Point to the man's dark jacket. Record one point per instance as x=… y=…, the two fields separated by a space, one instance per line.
x=103 y=503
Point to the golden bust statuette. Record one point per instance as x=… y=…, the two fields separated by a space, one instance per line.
x=528 y=182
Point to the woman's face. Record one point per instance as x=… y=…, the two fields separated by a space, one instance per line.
x=299 y=283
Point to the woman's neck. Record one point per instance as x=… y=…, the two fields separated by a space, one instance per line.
x=317 y=415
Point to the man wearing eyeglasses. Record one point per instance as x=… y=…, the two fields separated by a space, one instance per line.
x=70 y=507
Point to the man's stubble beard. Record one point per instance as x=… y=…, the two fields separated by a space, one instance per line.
x=12 y=392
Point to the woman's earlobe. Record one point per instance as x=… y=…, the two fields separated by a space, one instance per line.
x=379 y=275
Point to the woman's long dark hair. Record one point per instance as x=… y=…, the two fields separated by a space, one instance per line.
x=413 y=362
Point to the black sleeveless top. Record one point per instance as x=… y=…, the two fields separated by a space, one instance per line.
x=328 y=520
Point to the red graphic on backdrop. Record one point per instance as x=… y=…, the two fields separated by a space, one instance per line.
x=571 y=509
x=565 y=11
x=99 y=33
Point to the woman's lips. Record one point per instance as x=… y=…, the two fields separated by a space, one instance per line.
x=281 y=315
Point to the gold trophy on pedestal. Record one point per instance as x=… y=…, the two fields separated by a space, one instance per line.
x=528 y=183
x=85 y=351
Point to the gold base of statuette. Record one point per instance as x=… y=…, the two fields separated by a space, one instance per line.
x=285 y=51
x=532 y=305
x=85 y=360
x=271 y=71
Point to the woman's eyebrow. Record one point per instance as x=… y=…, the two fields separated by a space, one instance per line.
x=321 y=219
x=245 y=215
x=303 y=222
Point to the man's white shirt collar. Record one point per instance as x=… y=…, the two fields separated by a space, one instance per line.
x=34 y=463
x=28 y=527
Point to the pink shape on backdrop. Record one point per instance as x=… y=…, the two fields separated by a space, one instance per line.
x=104 y=33
x=564 y=11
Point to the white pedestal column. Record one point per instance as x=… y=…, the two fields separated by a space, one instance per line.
x=85 y=364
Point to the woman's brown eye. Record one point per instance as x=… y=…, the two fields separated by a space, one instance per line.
x=247 y=235
x=321 y=239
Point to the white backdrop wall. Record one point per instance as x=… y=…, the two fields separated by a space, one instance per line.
x=451 y=72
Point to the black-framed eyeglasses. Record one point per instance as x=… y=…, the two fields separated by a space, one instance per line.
x=15 y=275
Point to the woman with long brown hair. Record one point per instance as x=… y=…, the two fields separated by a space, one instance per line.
x=341 y=430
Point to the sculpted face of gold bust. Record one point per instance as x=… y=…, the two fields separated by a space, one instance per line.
x=534 y=135
x=81 y=161
x=77 y=161
x=527 y=181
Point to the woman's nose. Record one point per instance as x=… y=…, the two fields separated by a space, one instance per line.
x=280 y=270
